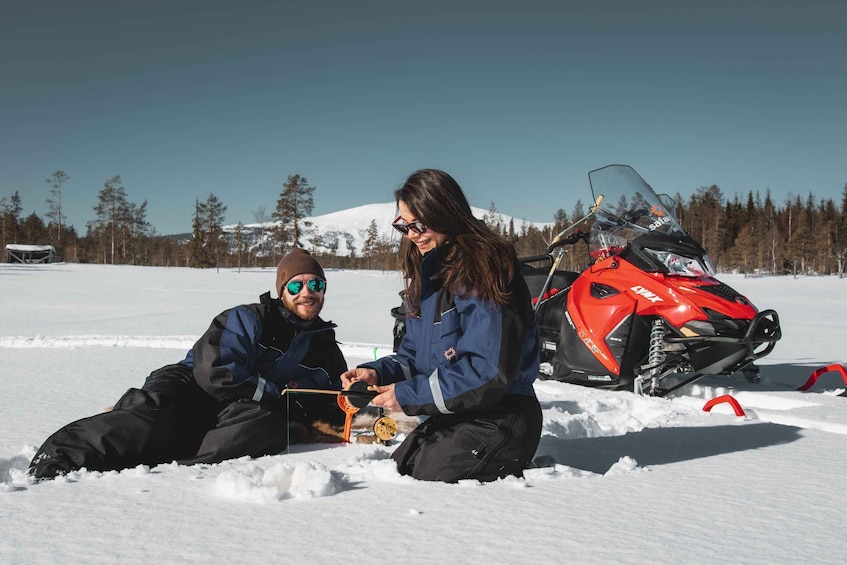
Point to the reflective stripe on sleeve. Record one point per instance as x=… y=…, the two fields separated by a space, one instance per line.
x=437 y=397
x=260 y=389
x=407 y=373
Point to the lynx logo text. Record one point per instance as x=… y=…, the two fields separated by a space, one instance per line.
x=643 y=292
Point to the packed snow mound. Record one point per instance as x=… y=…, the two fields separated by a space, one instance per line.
x=252 y=483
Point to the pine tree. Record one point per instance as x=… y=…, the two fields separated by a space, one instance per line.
x=827 y=244
x=295 y=203
x=370 y=247
x=492 y=218
x=798 y=247
x=240 y=243
x=207 y=244
x=34 y=231
x=266 y=231
x=136 y=231
x=841 y=235
x=705 y=220
x=110 y=209
x=774 y=238
x=54 y=213
x=198 y=237
x=12 y=218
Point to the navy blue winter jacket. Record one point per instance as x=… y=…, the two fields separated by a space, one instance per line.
x=462 y=355
x=254 y=351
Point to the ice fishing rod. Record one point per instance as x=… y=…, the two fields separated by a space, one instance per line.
x=351 y=400
x=358 y=396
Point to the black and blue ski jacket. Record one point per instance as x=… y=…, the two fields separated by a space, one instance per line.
x=462 y=355
x=254 y=351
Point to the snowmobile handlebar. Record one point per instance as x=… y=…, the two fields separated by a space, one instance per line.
x=573 y=238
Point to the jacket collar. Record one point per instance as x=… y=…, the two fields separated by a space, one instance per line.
x=315 y=325
x=431 y=270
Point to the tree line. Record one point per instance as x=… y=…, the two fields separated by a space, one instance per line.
x=748 y=235
x=120 y=233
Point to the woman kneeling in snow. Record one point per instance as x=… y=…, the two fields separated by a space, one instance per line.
x=471 y=350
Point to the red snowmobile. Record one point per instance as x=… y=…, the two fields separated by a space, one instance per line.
x=647 y=314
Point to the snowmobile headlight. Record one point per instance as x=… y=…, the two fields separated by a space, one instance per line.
x=681 y=265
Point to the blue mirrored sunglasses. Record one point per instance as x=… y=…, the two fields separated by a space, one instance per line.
x=315 y=285
x=403 y=227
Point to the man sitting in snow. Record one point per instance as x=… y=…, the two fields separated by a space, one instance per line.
x=223 y=400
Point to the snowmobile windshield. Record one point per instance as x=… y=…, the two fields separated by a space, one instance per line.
x=629 y=209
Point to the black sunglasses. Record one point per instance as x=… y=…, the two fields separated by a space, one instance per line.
x=315 y=285
x=403 y=227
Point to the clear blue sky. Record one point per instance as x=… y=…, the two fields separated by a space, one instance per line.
x=517 y=100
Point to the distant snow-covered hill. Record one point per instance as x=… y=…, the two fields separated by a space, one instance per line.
x=346 y=230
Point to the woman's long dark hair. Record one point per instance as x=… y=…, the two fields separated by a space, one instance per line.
x=478 y=262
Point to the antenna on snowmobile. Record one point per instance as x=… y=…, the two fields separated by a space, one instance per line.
x=591 y=211
x=556 y=241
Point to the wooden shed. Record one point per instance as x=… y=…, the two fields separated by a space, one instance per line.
x=29 y=253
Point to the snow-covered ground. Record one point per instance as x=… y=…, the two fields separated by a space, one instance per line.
x=638 y=480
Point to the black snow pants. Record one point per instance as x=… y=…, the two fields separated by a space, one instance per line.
x=483 y=446
x=170 y=418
